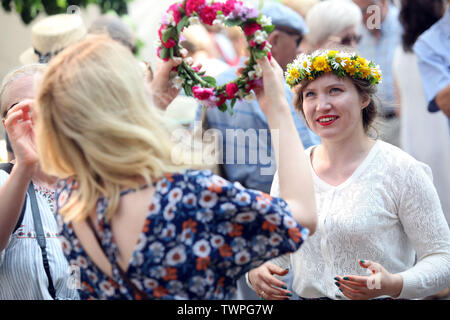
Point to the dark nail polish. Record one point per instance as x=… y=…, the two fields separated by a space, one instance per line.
x=283 y=287
x=345 y=278
x=337 y=279
x=362 y=261
x=289 y=294
x=336 y=283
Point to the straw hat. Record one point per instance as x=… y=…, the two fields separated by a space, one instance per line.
x=51 y=35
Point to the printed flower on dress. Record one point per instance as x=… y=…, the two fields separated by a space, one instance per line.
x=217 y=241
x=242 y=257
x=208 y=199
x=176 y=256
x=201 y=248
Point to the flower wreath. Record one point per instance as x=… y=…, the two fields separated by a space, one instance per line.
x=340 y=63
x=256 y=28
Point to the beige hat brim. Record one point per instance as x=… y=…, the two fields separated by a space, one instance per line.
x=28 y=57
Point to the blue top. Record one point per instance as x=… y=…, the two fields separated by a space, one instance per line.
x=381 y=52
x=249 y=159
x=201 y=234
x=432 y=49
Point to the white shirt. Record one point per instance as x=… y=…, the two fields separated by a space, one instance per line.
x=22 y=274
x=387 y=211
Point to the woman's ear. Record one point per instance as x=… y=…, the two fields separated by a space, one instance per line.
x=365 y=101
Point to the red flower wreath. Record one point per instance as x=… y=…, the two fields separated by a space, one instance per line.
x=256 y=28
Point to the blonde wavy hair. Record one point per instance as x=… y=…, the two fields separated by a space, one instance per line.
x=96 y=124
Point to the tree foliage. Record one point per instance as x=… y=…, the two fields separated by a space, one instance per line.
x=29 y=9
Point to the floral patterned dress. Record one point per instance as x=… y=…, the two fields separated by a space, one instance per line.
x=201 y=234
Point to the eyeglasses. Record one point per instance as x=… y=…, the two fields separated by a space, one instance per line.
x=347 y=40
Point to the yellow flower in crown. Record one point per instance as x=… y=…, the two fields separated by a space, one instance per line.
x=340 y=63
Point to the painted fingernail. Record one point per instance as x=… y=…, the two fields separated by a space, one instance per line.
x=263 y=299
x=362 y=261
x=283 y=287
x=337 y=279
x=289 y=294
x=340 y=289
x=346 y=278
x=336 y=283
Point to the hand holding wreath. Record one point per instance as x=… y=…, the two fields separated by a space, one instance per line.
x=256 y=28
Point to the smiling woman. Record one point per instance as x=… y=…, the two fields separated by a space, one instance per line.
x=374 y=201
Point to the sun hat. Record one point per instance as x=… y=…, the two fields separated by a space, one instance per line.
x=51 y=35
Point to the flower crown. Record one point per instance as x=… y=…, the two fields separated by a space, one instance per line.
x=340 y=63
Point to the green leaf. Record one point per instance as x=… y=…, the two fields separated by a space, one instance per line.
x=232 y=23
x=164 y=53
x=171 y=53
x=269 y=28
x=233 y=102
x=168 y=34
x=259 y=54
x=223 y=107
x=183 y=23
x=210 y=80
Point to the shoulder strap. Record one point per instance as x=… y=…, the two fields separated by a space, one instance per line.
x=144 y=295
x=40 y=237
x=8 y=168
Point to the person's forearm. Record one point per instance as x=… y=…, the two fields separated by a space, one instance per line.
x=296 y=185
x=12 y=193
x=443 y=100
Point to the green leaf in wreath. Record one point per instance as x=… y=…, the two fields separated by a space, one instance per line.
x=259 y=54
x=210 y=80
x=223 y=107
x=269 y=28
x=164 y=53
x=233 y=102
x=232 y=23
x=183 y=23
x=168 y=34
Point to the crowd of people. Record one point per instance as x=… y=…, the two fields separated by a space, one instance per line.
x=347 y=197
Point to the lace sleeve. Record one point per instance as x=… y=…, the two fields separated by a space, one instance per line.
x=422 y=218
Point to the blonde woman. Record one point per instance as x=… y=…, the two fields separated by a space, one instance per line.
x=136 y=224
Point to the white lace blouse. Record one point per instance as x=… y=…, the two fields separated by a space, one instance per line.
x=387 y=212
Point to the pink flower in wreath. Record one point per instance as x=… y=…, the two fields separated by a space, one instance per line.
x=231 y=90
x=194 y=6
x=208 y=15
x=229 y=6
x=251 y=28
x=221 y=99
x=175 y=12
x=202 y=93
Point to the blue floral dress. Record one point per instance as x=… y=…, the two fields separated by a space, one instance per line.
x=201 y=234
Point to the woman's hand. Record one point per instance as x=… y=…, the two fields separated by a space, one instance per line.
x=266 y=285
x=379 y=283
x=272 y=96
x=162 y=89
x=19 y=126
